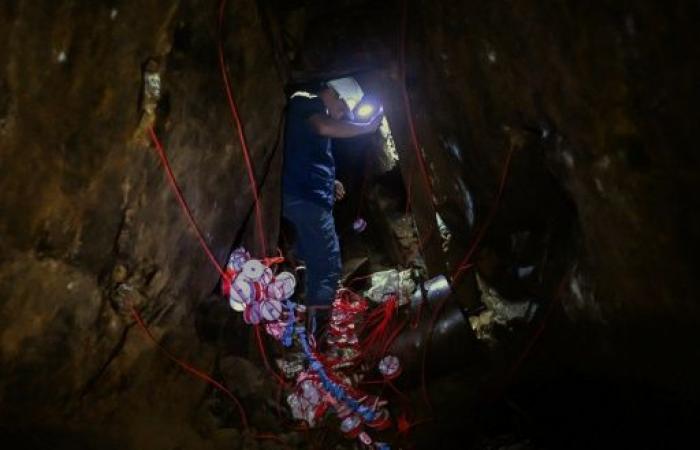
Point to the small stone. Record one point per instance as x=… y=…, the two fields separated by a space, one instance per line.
x=119 y=273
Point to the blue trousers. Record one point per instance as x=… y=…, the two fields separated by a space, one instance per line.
x=317 y=245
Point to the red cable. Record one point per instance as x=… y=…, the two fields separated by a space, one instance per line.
x=183 y=204
x=241 y=133
x=492 y=213
x=464 y=265
x=188 y=213
x=249 y=168
x=190 y=217
x=427 y=234
x=188 y=368
x=263 y=355
x=535 y=336
x=200 y=374
x=409 y=114
x=392 y=337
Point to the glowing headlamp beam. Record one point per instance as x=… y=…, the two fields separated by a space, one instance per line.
x=365 y=111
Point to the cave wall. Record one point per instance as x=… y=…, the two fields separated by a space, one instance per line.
x=594 y=100
x=88 y=221
x=597 y=102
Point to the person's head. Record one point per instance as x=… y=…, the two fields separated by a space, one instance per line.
x=337 y=108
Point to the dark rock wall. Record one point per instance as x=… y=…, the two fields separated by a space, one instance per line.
x=598 y=101
x=595 y=101
x=88 y=219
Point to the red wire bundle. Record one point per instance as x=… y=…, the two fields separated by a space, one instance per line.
x=379 y=329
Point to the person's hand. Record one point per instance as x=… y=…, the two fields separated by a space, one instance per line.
x=339 y=190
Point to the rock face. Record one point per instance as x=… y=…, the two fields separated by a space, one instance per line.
x=596 y=103
x=598 y=217
x=597 y=224
x=88 y=220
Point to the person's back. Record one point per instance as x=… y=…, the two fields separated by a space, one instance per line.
x=308 y=169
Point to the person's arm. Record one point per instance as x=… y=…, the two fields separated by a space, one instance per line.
x=327 y=126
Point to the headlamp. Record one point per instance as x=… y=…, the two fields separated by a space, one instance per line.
x=367 y=109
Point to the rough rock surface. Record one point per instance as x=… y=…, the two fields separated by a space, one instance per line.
x=598 y=222
x=597 y=102
x=598 y=218
x=88 y=221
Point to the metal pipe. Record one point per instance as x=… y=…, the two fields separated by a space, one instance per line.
x=452 y=343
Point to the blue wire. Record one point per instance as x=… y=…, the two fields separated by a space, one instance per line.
x=333 y=388
x=289 y=329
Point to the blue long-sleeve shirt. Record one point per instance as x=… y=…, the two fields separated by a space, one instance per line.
x=308 y=170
